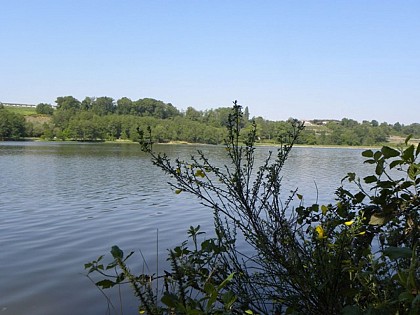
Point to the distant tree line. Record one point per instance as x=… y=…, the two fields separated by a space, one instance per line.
x=103 y=118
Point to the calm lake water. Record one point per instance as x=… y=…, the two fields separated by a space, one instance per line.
x=64 y=204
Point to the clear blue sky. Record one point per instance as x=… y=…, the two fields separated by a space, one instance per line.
x=301 y=59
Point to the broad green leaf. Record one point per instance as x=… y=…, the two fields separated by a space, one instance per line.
x=105 y=284
x=418 y=149
x=406 y=184
x=408 y=154
x=370 y=179
x=386 y=184
x=395 y=163
x=413 y=171
x=408 y=139
x=397 y=252
x=209 y=288
x=116 y=252
x=367 y=153
x=170 y=300
x=389 y=152
x=324 y=209
x=358 y=198
x=377 y=155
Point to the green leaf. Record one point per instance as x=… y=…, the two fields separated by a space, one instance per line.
x=413 y=171
x=226 y=281
x=367 y=153
x=209 y=288
x=379 y=167
x=377 y=155
x=170 y=300
x=128 y=256
x=105 y=284
x=358 y=198
x=228 y=299
x=408 y=154
x=116 y=252
x=418 y=149
x=369 y=162
x=408 y=139
x=395 y=163
x=386 y=184
x=389 y=152
x=249 y=312
x=350 y=176
x=370 y=179
x=397 y=252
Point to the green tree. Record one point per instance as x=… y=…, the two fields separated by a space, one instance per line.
x=124 y=106
x=103 y=105
x=68 y=103
x=193 y=114
x=12 y=125
x=87 y=103
x=44 y=109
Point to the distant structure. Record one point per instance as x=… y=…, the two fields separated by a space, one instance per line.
x=319 y=122
x=17 y=105
x=21 y=105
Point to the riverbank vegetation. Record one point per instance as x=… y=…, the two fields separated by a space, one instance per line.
x=104 y=119
x=271 y=255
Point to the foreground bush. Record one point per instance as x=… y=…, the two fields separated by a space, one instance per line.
x=359 y=255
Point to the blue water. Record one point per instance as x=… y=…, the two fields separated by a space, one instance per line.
x=64 y=204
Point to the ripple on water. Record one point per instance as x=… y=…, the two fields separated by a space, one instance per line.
x=62 y=205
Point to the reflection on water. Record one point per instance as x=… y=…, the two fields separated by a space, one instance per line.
x=62 y=205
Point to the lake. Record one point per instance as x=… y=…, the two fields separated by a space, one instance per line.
x=64 y=204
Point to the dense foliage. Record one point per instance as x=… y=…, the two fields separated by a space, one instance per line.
x=103 y=118
x=12 y=126
x=359 y=255
x=44 y=109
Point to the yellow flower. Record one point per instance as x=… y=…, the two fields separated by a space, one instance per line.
x=200 y=173
x=320 y=231
x=348 y=223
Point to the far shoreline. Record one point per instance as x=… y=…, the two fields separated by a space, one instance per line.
x=320 y=146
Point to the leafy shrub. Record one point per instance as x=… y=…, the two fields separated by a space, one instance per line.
x=359 y=255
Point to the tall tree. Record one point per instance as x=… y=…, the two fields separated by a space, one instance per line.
x=67 y=103
x=103 y=105
x=124 y=106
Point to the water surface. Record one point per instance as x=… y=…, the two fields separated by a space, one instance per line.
x=64 y=204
